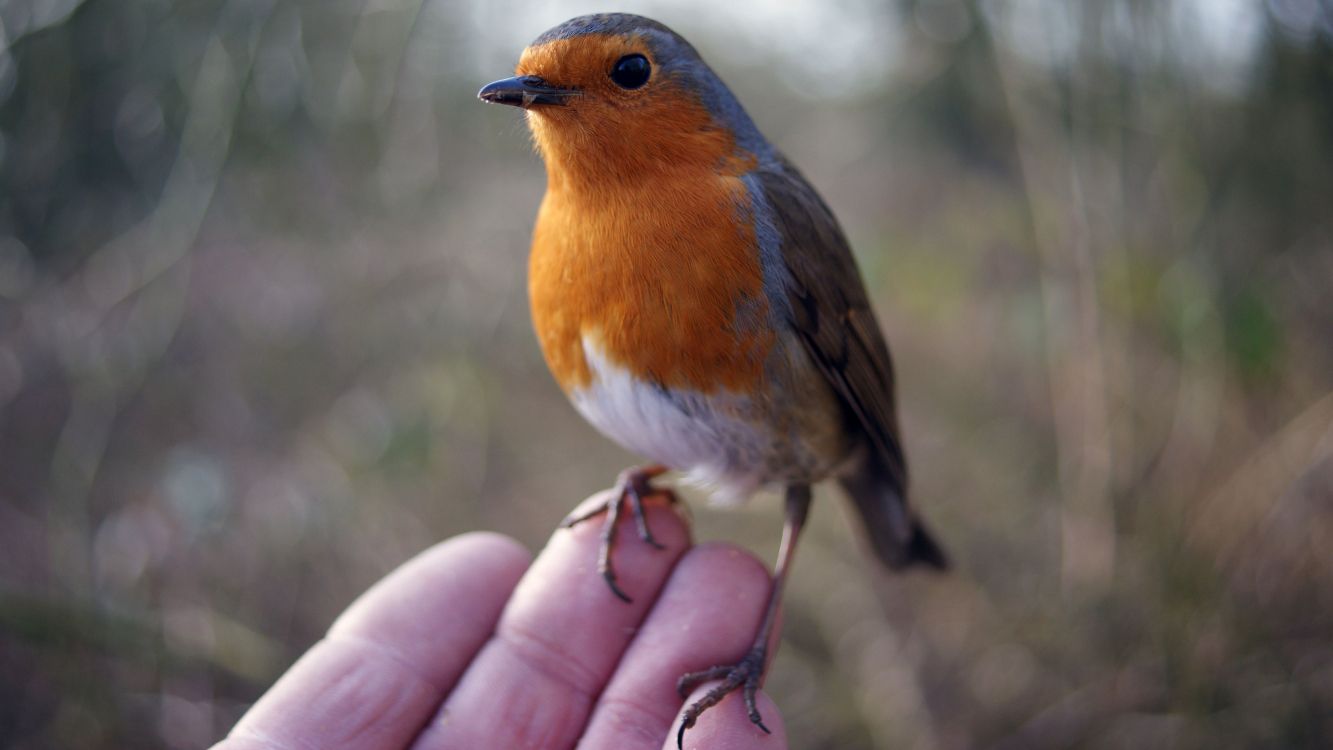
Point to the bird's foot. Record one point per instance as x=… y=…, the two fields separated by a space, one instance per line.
x=632 y=487
x=745 y=675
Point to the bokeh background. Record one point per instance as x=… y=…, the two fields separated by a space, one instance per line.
x=263 y=336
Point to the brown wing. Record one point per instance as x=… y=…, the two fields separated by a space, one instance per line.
x=831 y=311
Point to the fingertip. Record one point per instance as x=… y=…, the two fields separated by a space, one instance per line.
x=728 y=562
x=488 y=546
x=480 y=567
x=677 y=509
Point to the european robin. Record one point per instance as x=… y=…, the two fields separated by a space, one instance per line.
x=698 y=302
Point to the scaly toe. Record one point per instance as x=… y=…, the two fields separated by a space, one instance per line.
x=631 y=488
x=744 y=675
x=688 y=682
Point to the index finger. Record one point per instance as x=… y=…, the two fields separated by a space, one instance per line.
x=390 y=659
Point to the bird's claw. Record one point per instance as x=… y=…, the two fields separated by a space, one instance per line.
x=632 y=486
x=745 y=675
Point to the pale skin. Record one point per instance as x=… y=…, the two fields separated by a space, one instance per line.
x=474 y=644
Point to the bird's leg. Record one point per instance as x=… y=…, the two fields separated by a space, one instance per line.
x=632 y=486
x=748 y=673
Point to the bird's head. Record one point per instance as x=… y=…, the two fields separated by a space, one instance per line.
x=616 y=97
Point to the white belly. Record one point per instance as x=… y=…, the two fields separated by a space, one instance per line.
x=704 y=436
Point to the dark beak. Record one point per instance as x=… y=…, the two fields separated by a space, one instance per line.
x=524 y=91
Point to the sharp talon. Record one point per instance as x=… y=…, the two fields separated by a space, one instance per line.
x=759 y=723
x=680 y=736
x=621 y=595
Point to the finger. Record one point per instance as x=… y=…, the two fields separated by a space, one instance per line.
x=386 y=664
x=558 y=640
x=708 y=614
x=726 y=726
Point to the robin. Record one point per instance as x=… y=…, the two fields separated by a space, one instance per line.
x=698 y=302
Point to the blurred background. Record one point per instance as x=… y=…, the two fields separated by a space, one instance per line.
x=263 y=336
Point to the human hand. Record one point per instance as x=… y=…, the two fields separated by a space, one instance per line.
x=468 y=646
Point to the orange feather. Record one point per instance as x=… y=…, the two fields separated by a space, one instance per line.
x=610 y=256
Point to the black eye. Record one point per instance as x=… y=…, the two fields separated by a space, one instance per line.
x=631 y=71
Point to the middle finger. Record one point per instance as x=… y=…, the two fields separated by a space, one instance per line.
x=558 y=640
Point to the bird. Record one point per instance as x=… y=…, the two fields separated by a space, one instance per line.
x=699 y=304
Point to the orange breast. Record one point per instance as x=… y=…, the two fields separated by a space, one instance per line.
x=664 y=274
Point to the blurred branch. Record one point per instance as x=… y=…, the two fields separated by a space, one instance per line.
x=23 y=19
x=1076 y=367
x=105 y=353
x=1227 y=519
x=1070 y=721
x=166 y=237
x=191 y=637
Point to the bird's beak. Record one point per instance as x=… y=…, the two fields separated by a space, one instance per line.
x=524 y=91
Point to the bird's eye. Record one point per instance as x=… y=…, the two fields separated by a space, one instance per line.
x=631 y=71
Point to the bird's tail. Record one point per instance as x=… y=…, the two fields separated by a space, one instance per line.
x=896 y=535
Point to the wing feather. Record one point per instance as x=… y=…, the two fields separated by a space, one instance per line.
x=831 y=312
